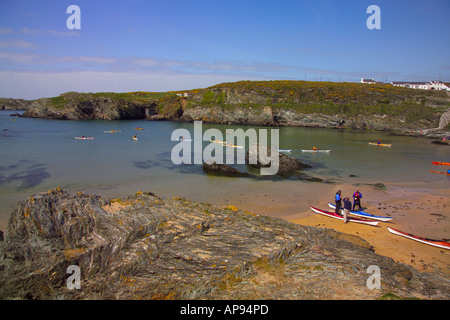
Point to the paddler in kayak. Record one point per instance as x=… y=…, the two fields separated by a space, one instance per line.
x=357 y=200
x=337 y=200
x=314 y=148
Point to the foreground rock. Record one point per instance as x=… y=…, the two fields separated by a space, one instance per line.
x=144 y=247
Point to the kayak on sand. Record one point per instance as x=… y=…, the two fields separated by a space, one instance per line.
x=364 y=214
x=437 y=243
x=441 y=163
x=349 y=219
x=447 y=173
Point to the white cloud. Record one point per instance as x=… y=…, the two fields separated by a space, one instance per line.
x=68 y=33
x=16 y=43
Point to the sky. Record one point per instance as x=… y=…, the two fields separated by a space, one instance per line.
x=165 y=45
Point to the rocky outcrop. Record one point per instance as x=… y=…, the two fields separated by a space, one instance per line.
x=13 y=104
x=145 y=247
x=218 y=169
x=88 y=106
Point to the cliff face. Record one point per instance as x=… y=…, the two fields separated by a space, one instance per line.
x=307 y=104
x=145 y=247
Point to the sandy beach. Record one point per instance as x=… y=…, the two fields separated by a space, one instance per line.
x=415 y=210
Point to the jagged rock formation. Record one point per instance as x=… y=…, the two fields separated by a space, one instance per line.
x=89 y=106
x=145 y=247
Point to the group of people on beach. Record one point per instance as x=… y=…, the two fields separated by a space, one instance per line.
x=347 y=204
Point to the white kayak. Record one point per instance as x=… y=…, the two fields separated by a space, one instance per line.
x=349 y=219
x=84 y=138
x=364 y=214
x=437 y=243
x=303 y=150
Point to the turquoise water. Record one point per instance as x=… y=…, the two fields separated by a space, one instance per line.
x=38 y=155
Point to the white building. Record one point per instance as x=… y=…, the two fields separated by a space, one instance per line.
x=370 y=81
x=430 y=85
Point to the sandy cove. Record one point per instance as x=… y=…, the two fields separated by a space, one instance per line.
x=415 y=210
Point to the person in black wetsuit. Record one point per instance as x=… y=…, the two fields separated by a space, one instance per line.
x=347 y=208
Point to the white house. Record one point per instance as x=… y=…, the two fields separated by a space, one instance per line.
x=430 y=85
x=368 y=81
x=439 y=85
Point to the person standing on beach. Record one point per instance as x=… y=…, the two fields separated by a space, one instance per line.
x=357 y=199
x=337 y=200
x=347 y=208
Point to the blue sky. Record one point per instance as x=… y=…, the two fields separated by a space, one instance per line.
x=167 y=45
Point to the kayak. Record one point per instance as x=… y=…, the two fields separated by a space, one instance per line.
x=232 y=146
x=224 y=143
x=303 y=150
x=138 y=128
x=84 y=138
x=437 y=243
x=440 y=172
x=364 y=214
x=284 y=150
x=218 y=141
x=112 y=131
x=380 y=144
x=349 y=219
x=135 y=138
x=441 y=163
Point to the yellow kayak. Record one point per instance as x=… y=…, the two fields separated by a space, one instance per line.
x=380 y=144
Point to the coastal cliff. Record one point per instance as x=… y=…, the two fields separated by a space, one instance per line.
x=312 y=104
x=266 y=103
x=145 y=247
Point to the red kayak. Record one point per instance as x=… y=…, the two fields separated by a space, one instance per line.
x=349 y=219
x=441 y=163
x=437 y=243
x=440 y=172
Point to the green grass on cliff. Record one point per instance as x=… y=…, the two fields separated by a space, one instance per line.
x=329 y=98
x=137 y=97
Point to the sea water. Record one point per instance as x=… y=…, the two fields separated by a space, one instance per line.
x=39 y=154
